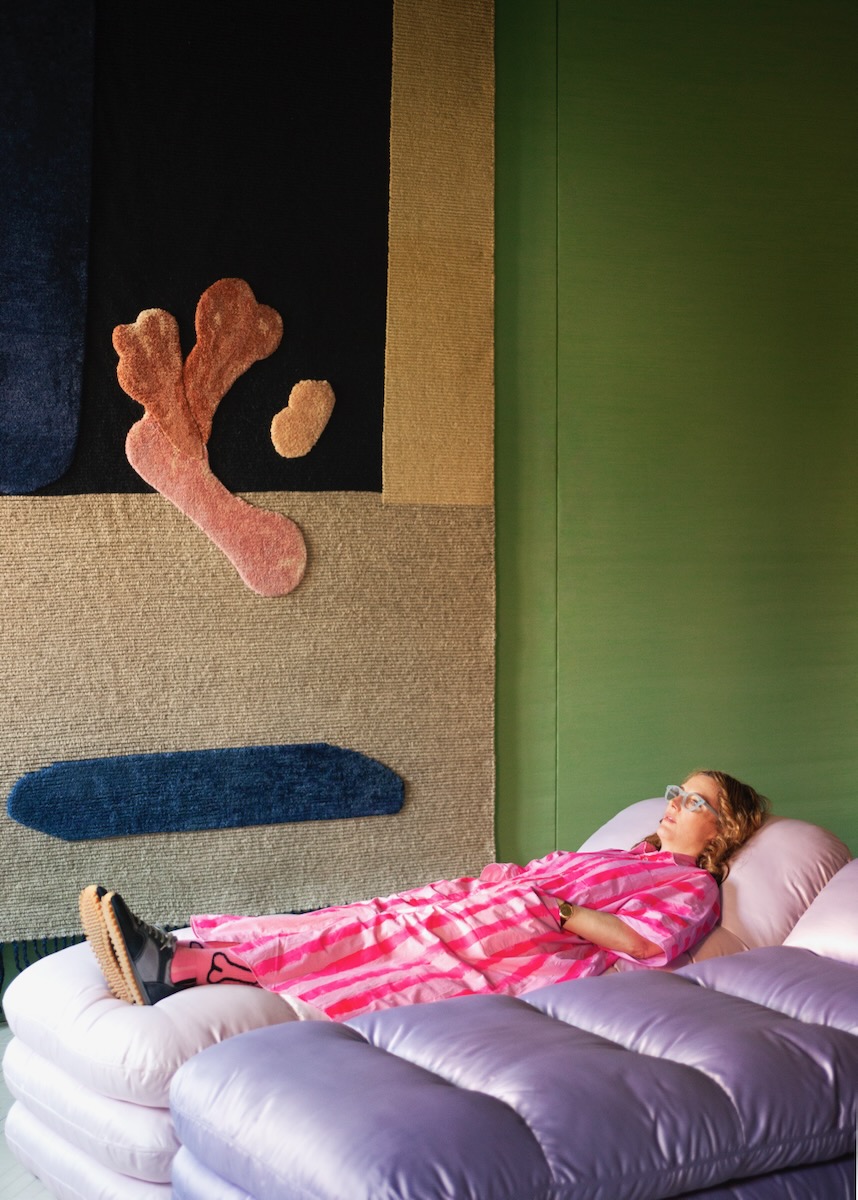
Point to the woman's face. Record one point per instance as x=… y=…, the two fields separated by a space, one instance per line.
x=687 y=831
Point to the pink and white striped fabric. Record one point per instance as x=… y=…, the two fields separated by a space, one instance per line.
x=496 y=933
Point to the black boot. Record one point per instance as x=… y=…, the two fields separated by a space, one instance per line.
x=144 y=952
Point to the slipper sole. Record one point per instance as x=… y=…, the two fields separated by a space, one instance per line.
x=95 y=930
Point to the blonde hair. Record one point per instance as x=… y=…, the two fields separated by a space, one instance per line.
x=743 y=811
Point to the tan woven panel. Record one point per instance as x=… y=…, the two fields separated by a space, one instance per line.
x=439 y=397
x=123 y=630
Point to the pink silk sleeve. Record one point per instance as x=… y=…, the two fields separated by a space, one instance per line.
x=674 y=915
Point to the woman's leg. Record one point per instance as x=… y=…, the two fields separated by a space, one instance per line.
x=208 y=964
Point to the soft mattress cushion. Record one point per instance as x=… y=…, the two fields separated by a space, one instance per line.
x=132 y=1139
x=60 y=1007
x=68 y=1172
x=788 y=980
x=192 y=1180
x=684 y=1087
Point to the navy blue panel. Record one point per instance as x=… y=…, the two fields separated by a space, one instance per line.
x=203 y=789
x=46 y=65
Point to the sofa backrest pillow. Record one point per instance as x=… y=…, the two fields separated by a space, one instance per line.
x=830 y=925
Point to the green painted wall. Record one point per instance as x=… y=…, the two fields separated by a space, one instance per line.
x=677 y=390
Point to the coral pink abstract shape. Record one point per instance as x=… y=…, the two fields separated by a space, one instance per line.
x=266 y=548
x=150 y=370
x=233 y=332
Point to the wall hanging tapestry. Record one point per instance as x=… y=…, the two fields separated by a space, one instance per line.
x=331 y=164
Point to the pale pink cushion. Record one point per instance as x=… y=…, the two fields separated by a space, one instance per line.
x=60 y=1006
x=627 y=827
x=830 y=925
x=772 y=879
x=132 y=1139
x=775 y=876
x=67 y=1171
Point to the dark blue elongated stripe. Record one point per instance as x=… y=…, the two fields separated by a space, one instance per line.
x=203 y=789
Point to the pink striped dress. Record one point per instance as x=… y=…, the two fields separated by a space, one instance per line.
x=496 y=933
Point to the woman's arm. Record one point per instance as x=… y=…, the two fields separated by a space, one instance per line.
x=604 y=929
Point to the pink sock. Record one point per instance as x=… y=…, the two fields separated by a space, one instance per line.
x=208 y=964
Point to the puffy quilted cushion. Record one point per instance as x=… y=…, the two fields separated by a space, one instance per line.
x=61 y=1008
x=131 y=1139
x=615 y=1088
x=830 y=925
x=66 y=1170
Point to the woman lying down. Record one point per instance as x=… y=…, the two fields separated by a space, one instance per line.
x=512 y=929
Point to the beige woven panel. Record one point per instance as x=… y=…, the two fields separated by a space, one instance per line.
x=439 y=397
x=123 y=630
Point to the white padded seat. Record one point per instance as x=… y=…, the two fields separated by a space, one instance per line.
x=91 y=1075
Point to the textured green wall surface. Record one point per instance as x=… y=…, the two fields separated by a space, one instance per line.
x=682 y=590
x=525 y=432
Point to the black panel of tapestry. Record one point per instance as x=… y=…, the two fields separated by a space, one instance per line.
x=245 y=141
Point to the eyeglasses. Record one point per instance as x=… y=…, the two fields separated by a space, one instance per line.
x=693 y=801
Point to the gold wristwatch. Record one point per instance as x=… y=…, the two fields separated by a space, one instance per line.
x=565 y=910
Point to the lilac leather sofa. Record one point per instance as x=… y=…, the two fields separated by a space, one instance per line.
x=735 y=1076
